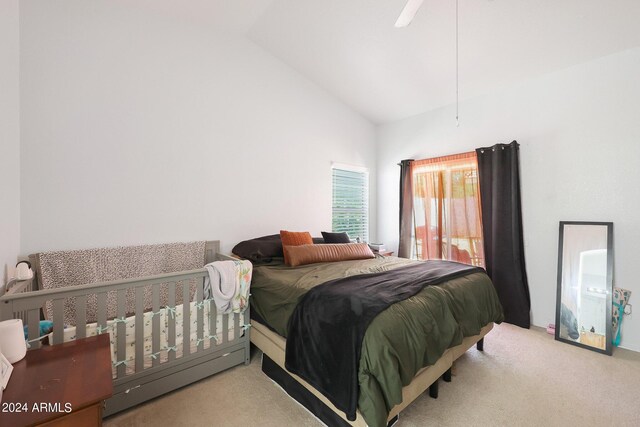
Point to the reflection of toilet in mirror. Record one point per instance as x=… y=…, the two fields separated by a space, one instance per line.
x=592 y=282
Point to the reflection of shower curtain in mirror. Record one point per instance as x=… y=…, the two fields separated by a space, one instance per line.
x=584 y=276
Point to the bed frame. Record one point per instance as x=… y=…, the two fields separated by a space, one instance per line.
x=144 y=383
x=273 y=345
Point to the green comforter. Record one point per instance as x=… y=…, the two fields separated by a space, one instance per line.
x=401 y=340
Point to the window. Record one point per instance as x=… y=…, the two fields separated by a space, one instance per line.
x=446 y=203
x=350 y=208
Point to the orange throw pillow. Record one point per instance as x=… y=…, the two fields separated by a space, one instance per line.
x=311 y=254
x=294 y=238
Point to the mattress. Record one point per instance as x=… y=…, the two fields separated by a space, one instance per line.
x=403 y=339
x=166 y=316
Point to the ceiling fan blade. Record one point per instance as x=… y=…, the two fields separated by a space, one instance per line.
x=408 y=13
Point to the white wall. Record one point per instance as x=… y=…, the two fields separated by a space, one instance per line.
x=140 y=129
x=9 y=138
x=580 y=149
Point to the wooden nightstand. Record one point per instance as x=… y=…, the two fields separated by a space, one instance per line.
x=60 y=385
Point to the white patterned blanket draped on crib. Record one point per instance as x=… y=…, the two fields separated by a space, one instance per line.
x=228 y=284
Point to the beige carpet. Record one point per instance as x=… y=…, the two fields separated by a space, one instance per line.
x=523 y=378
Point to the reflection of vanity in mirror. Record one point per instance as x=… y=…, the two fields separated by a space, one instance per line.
x=585 y=264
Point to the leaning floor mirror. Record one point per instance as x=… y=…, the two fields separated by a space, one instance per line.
x=585 y=286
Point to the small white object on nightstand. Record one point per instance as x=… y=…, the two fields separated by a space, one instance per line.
x=5 y=373
x=12 y=343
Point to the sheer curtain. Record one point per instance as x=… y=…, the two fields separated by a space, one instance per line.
x=446 y=205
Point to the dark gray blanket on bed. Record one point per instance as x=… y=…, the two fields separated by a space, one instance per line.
x=326 y=329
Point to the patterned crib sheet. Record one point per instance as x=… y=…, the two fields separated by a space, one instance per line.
x=167 y=315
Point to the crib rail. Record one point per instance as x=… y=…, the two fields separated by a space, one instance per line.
x=14 y=287
x=29 y=305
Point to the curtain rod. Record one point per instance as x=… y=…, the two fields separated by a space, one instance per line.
x=447 y=157
x=512 y=144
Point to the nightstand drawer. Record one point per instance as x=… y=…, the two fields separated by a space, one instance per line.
x=90 y=416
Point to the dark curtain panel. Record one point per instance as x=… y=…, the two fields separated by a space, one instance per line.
x=499 y=175
x=406 y=209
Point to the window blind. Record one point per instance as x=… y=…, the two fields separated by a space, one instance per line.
x=350 y=209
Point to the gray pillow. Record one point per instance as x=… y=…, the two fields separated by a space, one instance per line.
x=264 y=250
x=261 y=249
x=335 y=237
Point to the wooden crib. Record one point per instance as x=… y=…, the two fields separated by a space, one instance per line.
x=154 y=351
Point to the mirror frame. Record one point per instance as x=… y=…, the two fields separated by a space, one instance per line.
x=608 y=335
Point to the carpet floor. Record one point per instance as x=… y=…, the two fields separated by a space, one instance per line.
x=523 y=378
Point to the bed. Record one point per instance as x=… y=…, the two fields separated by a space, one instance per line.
x=405 y=349
x=164 y=331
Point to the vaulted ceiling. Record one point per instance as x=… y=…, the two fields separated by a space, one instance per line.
x=352 y=49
